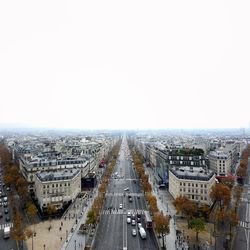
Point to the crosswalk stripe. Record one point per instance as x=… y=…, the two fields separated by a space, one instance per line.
x=2 y=226
x=244 y=224
x=244 y=199
x=122 y=194
x=132 y=211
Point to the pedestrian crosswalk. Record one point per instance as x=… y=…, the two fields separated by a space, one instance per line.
x=122 y=194
x=244 y=199
x=120 y=211
x=244 y=224
x=2 y=226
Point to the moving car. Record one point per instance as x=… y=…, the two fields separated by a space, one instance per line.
x=128 y=220
x=120 y=206
x=133 y=222
x=126 y=189
x=134 y=232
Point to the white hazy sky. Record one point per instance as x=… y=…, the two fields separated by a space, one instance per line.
x=125 y=64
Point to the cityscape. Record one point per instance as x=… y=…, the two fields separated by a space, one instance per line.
x=124 y=125
x=125 y=189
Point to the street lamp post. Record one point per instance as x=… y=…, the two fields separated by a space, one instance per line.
x=75 y=244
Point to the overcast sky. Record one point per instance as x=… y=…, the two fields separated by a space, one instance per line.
x=125 y=64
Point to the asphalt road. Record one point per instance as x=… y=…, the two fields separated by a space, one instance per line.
x=242 y=237
x=113 y=231
x=5 y=243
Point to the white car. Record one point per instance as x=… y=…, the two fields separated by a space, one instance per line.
x=134 y=232
x=126 y=189
x=139 y=225
x=128 y=220
x=133 y=222
x=120 y=206
x=129 y=214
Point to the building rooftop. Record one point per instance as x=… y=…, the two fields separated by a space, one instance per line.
x=192 y=173
x=58 y=175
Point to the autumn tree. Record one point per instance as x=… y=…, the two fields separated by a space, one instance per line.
x=91 y=218
x=232 y=218
x=185 y=206
x=32 y=211
x=5 y=155
x=228 y=181
x=17 y=232
x=161 y=224
x=237 y=194
x=198 y=225
x=51 y=209
x=221 y=193
x=152 y=203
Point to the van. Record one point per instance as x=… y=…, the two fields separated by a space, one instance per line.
x=142 y=233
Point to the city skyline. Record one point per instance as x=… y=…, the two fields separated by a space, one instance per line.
x=131 y=65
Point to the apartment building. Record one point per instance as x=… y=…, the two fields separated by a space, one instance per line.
x=220 y=162
x=30 y=165
x=57 y=188
x=193 y=182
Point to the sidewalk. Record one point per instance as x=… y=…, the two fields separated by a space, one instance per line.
x=50 y=238
x=53 y=234
x=180 y=237
x=164 y=203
